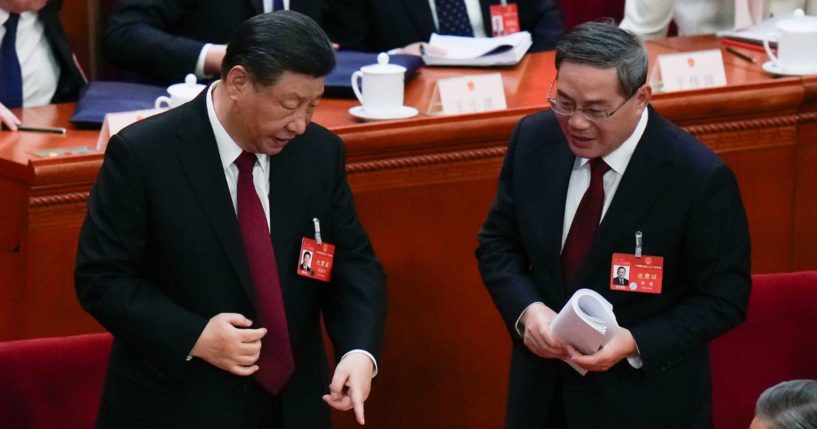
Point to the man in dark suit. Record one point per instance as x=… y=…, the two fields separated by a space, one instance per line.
x=380 y=25
x=49 y=69
x=621 y=277
x=213 y=326
x=164 y=40
x=602 y=159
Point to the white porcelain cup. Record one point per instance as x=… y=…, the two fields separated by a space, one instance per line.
x=180 y=93
x=380 y=87
x=796 y=39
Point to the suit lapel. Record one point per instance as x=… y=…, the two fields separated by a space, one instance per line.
x=645 y=178
x=201 y=162
x=553 y=176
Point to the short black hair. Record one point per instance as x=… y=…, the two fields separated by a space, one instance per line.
x=603 y=45
x=269 y=44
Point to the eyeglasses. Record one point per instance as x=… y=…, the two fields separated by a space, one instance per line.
x=567 y=108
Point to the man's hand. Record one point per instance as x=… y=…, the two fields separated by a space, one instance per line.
x=351 y=384
x=620 y=346
x=227 y=343
x=537 y=337
x=8 y=119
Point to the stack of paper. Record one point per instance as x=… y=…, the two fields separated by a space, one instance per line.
x=479 y=51
x=586 y=322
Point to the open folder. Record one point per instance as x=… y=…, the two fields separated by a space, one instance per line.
x=479 y=51
x=586 y=322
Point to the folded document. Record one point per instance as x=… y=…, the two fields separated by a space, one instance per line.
x=586 y=322
x=479 y=51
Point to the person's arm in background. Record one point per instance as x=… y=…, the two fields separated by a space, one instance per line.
x=137 y=39
x=647 y=18
x=544 y=20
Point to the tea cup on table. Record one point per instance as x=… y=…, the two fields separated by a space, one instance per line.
x=180 y=93
x=796 y=39
x=380 y=87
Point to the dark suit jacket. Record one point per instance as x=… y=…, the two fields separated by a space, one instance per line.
x=71 y=79
x=618 y=281
x=160 y=253
x=161 y=39
x=686 y=203
x=379 y=25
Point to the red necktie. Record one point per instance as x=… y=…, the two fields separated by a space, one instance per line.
x=585 y=223
x=276 y=362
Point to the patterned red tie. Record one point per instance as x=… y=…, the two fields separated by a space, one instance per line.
x=585 y=224
x=276 y=362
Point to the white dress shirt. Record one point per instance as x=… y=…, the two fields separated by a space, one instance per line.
x=229 y=150
x=40 y=70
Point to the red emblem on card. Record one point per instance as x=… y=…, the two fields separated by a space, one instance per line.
x=504 y=19
x=631 y=274
x=315 y=261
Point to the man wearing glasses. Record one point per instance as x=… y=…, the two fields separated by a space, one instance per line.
x=602 y=180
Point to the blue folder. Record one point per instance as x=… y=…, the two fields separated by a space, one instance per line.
x=101 y=97
x=339 y=82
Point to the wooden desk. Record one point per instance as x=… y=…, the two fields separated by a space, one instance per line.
x=422 y=188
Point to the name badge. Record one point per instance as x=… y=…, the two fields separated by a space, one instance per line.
x=504 y=19
x=636 y=274
x=316 y=257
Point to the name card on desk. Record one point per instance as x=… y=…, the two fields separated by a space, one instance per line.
x=691 y=70
x=468 y=94
x=114 y=122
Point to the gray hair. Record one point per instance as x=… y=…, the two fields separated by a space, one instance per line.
x=789 y=405
x=603 y=45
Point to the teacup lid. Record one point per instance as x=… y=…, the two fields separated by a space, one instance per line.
x=187 y=90
x=383 y=66
x=799 y=23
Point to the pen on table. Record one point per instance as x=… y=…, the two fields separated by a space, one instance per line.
x=741 y=55
x=52 y=130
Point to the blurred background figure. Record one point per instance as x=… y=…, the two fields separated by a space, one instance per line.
x=380 y=25
x=37 y=65
x=651 y=18
x=161 y=41
x=788 y=405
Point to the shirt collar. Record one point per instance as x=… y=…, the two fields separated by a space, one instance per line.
x=228 y=149
x=620 y=157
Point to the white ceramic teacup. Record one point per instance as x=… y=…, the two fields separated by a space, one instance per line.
x=796 y=44
x=180 y=93
x=380 y=87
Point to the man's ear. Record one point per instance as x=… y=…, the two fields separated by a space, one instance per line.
x=643 y=96
x=237 y=80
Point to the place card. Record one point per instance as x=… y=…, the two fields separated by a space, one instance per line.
x=691 y=70
x=468 y=94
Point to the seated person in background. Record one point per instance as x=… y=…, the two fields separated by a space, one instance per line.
x=650 y=18
x=37 y=65
x=382 y=25
x=787 y=405
x=164 y=40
